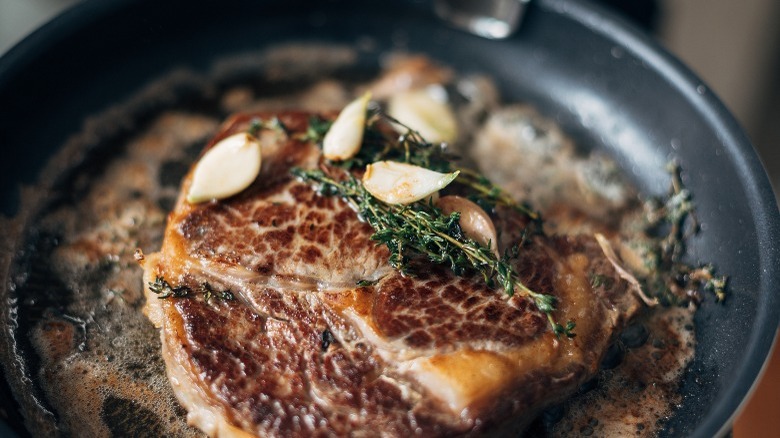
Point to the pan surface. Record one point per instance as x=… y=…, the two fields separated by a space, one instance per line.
x=606 y=84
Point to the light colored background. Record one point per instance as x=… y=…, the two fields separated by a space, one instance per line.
x=19 y=17
x=733 y=45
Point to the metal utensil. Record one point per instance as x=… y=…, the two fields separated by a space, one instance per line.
x=494 y=19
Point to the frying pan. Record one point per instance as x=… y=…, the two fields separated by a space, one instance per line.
x=609 y=86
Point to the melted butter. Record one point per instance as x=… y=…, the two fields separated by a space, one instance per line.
x=636 y=397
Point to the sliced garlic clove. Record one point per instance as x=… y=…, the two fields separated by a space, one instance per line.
x=427 y=112
x=343 y=139
x=474 y=221
x=401 y=183
x=229 y=167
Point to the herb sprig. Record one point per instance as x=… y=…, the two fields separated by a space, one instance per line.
x=163 y=289
x=421 y=228
x=674 y=217
x=410 y=147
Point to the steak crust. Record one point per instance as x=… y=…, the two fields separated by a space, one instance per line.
x=303 y=351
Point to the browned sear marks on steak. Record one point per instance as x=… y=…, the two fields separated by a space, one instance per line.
x=438 y=309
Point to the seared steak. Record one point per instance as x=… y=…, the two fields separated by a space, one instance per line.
x=297 y=348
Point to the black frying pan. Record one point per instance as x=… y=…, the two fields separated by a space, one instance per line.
x=609 y=86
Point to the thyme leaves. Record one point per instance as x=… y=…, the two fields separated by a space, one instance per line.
x=164 y=290
x=366 y=283
x=674 y=219
x=273 y=124
x=208 y=293
x=316 y=129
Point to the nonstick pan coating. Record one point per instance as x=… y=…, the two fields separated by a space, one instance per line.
x=609 y=86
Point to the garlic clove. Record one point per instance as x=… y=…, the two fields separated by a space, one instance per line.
x=229 y=167
x=427 y=112
x=343 y=139
x=474 y=221
x=401 y=183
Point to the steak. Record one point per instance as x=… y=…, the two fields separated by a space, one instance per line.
x=283 y=317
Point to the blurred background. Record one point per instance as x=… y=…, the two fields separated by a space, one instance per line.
x=734 y=46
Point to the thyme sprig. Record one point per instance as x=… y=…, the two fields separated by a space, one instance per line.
x=163 y=289
x=422 y=229
x=675 y=218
